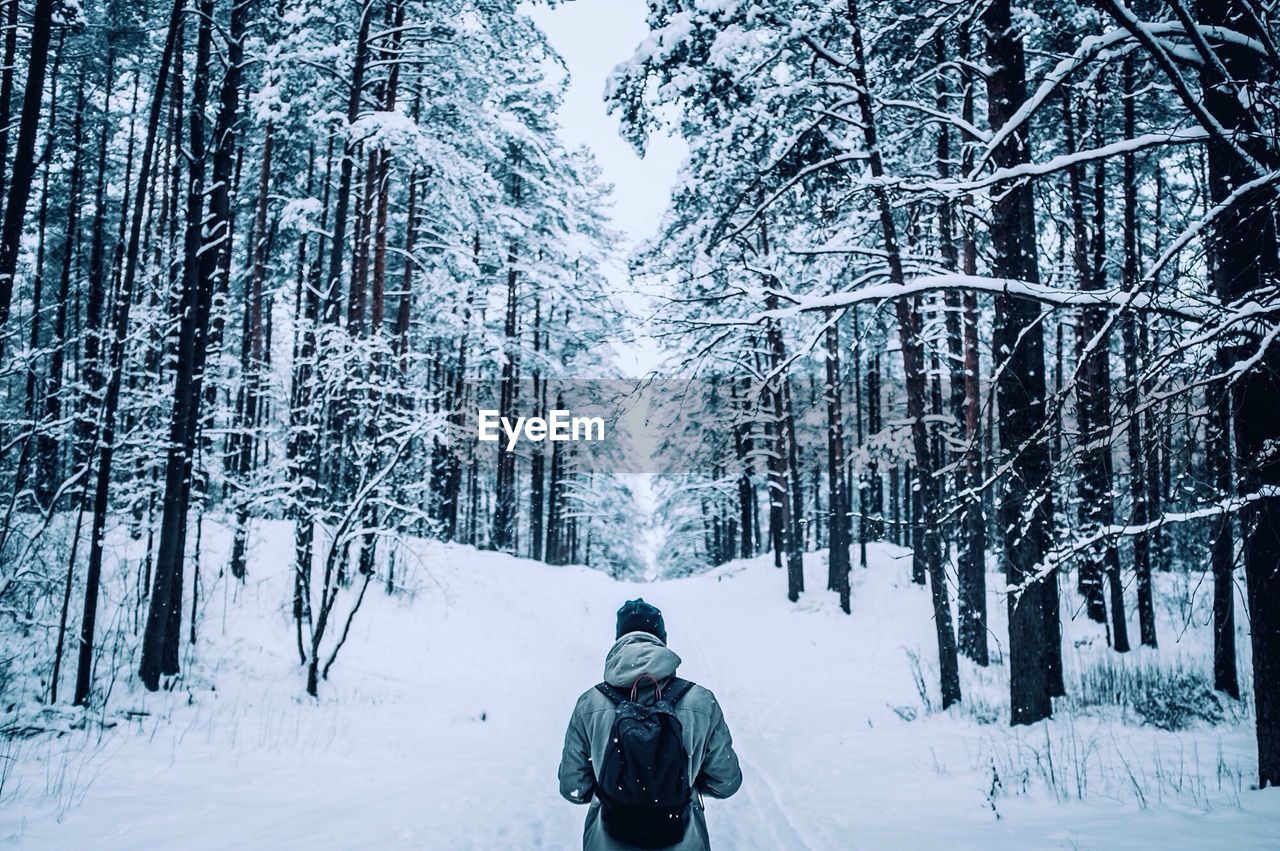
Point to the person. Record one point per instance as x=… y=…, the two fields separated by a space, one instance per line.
x=641 y=660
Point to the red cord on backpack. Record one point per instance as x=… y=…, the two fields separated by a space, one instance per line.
x=657 y=687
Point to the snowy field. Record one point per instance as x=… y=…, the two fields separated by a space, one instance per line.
x=441 y=724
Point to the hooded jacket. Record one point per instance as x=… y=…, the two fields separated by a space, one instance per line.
x=713 y=766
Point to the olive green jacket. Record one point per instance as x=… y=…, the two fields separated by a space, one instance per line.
x=713 y=766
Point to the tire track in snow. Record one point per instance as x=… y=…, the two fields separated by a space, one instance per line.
x=800 y=840
x=792 y=836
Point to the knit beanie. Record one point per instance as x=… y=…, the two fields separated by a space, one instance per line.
x=638 y=616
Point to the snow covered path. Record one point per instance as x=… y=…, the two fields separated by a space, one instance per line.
x=442 y=725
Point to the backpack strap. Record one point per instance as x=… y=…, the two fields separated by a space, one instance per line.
x=676 y=689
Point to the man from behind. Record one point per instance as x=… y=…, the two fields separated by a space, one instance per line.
x=644 y=747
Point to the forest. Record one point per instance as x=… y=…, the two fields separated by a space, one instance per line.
x=1062 y=217
x=993 y=285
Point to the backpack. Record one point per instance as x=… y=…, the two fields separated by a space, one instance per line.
x=643 y=785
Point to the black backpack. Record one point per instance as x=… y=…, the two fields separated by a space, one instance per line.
x=643 y=785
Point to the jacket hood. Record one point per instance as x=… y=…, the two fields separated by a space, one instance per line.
x=636 y=654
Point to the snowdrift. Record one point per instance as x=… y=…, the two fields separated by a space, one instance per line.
x=441 y=723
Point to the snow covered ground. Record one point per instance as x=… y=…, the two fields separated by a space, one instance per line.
x=442 y=722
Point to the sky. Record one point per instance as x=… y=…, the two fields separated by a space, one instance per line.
x=593 y=36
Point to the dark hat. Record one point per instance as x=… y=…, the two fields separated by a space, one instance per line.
x=638 y=616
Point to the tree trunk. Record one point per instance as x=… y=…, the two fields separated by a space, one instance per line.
x=895 y=497
x=332 y=289
x=1098 y=503
x=358 y=296
x=1020 y=387
x=22 y=171
x=1091 y=566
x=1222 y=547
x=955 y=339
x=453 y=485
x=120 y=327
x=404 y=305
x=42 y=495
x=1244 y=263
x=864 y=524
x=914 y=369
x=795 y=556
x=504 y=498
x=746 y=490
x=837 y=522
x=6 y=88
x=161 y=639
x=876 y=529
x=300 y=450
x=48 y=464
x=95 y=299
x=555 y=504
x=972 y=561
x=537 y=472
x=784 y=480
x=253 y=350
x=1139 y=482
x=376 y=214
